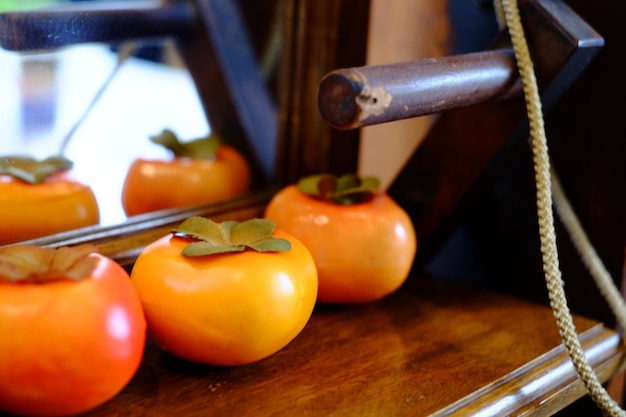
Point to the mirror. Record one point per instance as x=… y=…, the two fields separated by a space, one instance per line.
x=315 y=36
x=99 y=109
x=47 y=95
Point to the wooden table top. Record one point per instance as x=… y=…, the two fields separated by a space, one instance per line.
x=432 y=348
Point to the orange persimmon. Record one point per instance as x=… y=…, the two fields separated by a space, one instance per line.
x=72 y=330
x=201 y=172
x=227 y=293
x=362 y=241
x=51 y=203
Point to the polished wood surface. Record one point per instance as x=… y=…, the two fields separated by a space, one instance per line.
x=432 y=348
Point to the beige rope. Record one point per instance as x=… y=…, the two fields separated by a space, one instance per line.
x=554 y=281
x=588 y=254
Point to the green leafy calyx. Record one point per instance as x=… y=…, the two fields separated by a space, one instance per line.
x=346 y=190
x=34 y=264
x=229 y=236
x=32 y=170
x=201 y=148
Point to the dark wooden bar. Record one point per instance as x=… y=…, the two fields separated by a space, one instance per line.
x=94 y=22
x=356 y=97
x=311 y=145
x=562 y=45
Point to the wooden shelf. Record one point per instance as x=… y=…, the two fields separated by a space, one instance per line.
x=432 y=348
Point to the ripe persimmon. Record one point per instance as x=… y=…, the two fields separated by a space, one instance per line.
x=39 y=198
x=202 y=171
x=227 y=293
x=72 y=331
x=362 y=241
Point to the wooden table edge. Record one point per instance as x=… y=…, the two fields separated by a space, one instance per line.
x=546 y=384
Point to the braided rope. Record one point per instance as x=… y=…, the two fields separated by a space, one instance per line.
x=588 y=254
x=554 y=281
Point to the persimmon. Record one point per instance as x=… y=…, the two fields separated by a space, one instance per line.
x=228 y=293
x=362 y=241
x=72 y=330
x=202 y=171
x=39 y=198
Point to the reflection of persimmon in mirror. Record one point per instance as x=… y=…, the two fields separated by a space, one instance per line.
x=40 y=198
x=201 y=171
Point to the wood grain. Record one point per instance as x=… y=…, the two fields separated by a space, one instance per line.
x=429 y=346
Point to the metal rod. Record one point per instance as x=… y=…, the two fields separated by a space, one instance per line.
x=356 y=97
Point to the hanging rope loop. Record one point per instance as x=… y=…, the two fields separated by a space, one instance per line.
x=507 y=13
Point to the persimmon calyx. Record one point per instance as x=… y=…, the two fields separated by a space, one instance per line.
x=229 y=236
x=34 y=264
x=32 y=170
x=345 y=190
x=201 y=148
